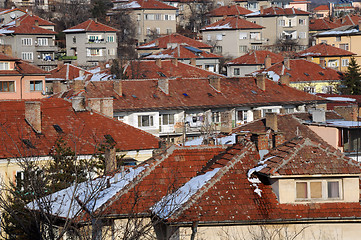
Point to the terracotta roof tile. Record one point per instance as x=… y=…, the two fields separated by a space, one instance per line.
x=25 y=28
x=148 y=4
x=21 y=67
x=162 y=42
x=324 y=50
x=321 y=8
x=183 y=52
x=277 y=11
x=66 y=72
x=91 y=26
x=31 y=19
x=349 y=20
x=80 y=129
x=230 y=10
x=231 y=23
x=256 y=58
x=322 y=24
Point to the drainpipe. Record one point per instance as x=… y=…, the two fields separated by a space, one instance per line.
x=194 y=230
x=21 y=86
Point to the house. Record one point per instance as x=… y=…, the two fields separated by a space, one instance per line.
x=151 y=18
x=321 y=11
x=328 y=56
x=320 y=25
x=231 y=10
x=172 y=40
x=233 y=36
x=305 y=75
x=342 y=37
x=342 y=8
x=30 y=4
x=300 y=187
x=58 y=78
x=283 y=24
x=188 y=54
x=299 y=4
x=31 y=129
x=178 y=109
x=91 y=42
x=20 y=79
x=32 y=39
x=255 y=6
x=252 y=61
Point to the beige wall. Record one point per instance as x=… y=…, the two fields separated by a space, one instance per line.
x=328 y=134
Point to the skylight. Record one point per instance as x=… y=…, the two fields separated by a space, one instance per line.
x=161 y=74
x=28 y=143
x=58 y=128
x=134 y=96
x=185 y=94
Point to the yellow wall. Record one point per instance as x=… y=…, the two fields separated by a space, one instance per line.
x=317 y=85
x=327 y=59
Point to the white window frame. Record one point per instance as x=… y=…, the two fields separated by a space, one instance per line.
x=4 y=66
x=110 y=38
x=26 y=41
x=166 y=119
x=27 y=56
x=150 y=120
x=345 y=62
x=43 y=42
x=324 y=185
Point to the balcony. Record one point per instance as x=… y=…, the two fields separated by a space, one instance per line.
x=48 y=48
x=258 y=40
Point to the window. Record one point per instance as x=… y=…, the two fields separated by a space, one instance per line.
x=218 y=49
x=7 y=86
x=95 y=38
x=344 y=46
x=332 y=63
x=169 y=31
x=94 y=52
x=318 y=189
x=219 y=37
x=345 y=62
x=301 y=21
x=338 y=39
x=243 y=48
x=256 y=47
x=158 y=17
x=302 y=35
x=26 y=41
x=43 y=41
x=167 y=119
x=74 y=39
x=158 y=30
x=309 y=89
x=19 y=180
x=36 y=85
x=290 y=23
x=255 y=35
x=149 y=17
x=4 y=65
x=281 y=23
x=145 y=121
x=110 y=38
x=111 y=51
x=209 y=37
x=327 y=89
x=236 y=72
x=242 y=116
x=167 y=17
x=27 y=56
x=243 y=35
x=216 y=117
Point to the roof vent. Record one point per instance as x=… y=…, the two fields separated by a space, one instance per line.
x=33 y=115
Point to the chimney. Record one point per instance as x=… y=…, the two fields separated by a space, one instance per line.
x=193 y=62
x=78 y=85
x=261 y=10
x=271 y=121
x=33 y=115
x=117 y=86
x=175 y=61
x=110 y=160
x=215 y=82
x=56 y=86
x=267 y=62
x=36 y=23
x=17 y=23
x=285 y=80
x=261 y=81
x=158 y=62
x=286 y=63
x=163 y=84
x=318 y=115
x=106 y=107
x=257 y=114
x=78 y=104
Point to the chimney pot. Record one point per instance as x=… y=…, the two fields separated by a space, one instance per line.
x=271 y=121
x=267 y=62
x=117 y=86
x=33 y=115
x=110 y=160
x=163 y=84
x=261 y=81
x=158 y=62
x=285 y=80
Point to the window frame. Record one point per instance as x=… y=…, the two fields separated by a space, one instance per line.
x=324 y=190
x=150 y=121
x=34 y=84
x=27 y=41
x=10 y=89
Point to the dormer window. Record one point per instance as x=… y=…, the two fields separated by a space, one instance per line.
x=318 y=190
x=4 y=66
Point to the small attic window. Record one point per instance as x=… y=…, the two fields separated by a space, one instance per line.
x=58 y=128
x=134 y=96
x=254 y=92
x=161 y=74
x=185 y=94
x=28 y=143
x=321 y=73
x=210 y=94
x=307 y=74
x=155 y=96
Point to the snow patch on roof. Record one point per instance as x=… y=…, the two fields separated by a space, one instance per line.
x=344 y=123
x=93 y=194
x=170 y=203
x=5 y=31
x=332 y=32
x=160 y=56
x=255 y=181
x=341 y=99
x=148 y=46
x=227 y=26
x=272 y=75
x=310 y=53
x=74 y=30
x=133 y=4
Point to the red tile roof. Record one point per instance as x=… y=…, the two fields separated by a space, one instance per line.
x=324 y=50
x=91 y=26
x=322 y=8
x=183 y=52
x=148 y=69
x=80 y=129
x=148 y=4
x=302 y=156
x=193 y=93
x=349 y=20
x=66 y=72
x=277 y=11
x=256 y=58
x=21 y=67
x=322 y=24
x=231 y=23
x=25 y=28
x=31 y=19
x=302 y=70
x=162 y=42
x=230 y=10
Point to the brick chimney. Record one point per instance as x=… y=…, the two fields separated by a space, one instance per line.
x=110 y=160
x=261 y=10
x=261 y=81
x=101 y=105
x=285 y=80
x=117 y=86
x=257 y=114
x=33 y=115
x=271 y=121
x=158 y=62
x=215 y=82
x=78 y=104
x=286 y=63
x=174 y=61
x=78 y=85
x=267 y=62
x=163 y=85
x=193 y=62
